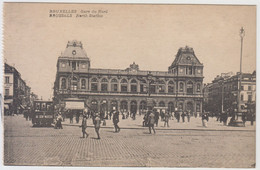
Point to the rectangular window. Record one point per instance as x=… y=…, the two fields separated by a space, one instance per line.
x=242 y=87
x=161 y=89
x=123 y=88
x=103 y=87
x=198 y=107
x=170 y=89
x=249 y=88
x=74 y=65
x=242 y=97
x=7 y=92
x=7 y=80
x=249 y=98
x=152 y=88
x=94 y=87
x=114 y=87
x=133 y=88
x=141 y=88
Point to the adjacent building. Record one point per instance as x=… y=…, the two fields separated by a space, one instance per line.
x=222 y=93
x=129 y=89
x=17 y=94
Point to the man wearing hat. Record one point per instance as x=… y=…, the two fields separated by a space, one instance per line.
x=84 y=125
x=97 y=122
x=116 y=120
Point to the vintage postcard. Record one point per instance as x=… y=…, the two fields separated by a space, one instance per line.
x=129 y=85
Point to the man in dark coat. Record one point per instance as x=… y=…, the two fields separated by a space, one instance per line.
x=151 y=121
x=84 y=126
x=116 y=120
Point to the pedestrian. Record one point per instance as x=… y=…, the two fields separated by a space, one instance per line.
x=84 y=125
x=151 y=121
x=70 y=115
x=166 y=119
x=145 y=120
x=97 y=123
x=178 y=116
x=205 y=119
x=77 y=116
x=244 y=118
x=156 y=117
x=224 y=118
x=59 y=119
x=116 y=120
x=188 y=115
x=183 y=116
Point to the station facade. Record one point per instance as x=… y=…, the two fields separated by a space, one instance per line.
x=129 y=90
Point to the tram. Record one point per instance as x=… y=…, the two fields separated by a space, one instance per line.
x=42 y=113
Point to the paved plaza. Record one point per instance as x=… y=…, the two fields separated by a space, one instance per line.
x=180 y=145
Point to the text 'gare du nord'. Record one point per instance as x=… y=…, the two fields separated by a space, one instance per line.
x=131 y=89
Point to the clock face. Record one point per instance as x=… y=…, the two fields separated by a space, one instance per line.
x=63 y=64
x=74 y=52
x=188 y=58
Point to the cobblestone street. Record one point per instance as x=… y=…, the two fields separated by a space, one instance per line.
x=180 y=145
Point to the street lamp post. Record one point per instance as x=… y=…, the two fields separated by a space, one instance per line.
x=242 y=34
x=238 y=113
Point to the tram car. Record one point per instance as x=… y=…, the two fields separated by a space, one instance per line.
x=42 y=113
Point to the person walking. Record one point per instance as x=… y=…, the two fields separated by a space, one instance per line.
x=59 y=119
x=183 y=116
x=205 y=119
x=151 y=121
x=166 y=119
x=77 y=116
x=97 y=122
x=116 y=120
x=84 y=125
x=188 y=115
x=156 y=117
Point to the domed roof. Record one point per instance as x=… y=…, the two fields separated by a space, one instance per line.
x=74 y=49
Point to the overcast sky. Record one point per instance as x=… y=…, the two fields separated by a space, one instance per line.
x=149 y=35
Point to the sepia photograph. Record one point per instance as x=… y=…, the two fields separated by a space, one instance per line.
x=129 y=85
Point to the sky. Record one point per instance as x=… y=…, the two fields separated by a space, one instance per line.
x=149 y=35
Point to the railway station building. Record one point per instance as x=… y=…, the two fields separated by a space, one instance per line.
x=129 y=89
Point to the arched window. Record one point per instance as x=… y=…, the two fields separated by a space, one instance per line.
x=63 y=83
x=133 y=107
x=123 y=106
x=161 y=104
x=104 y=85
x=133 y=86
x=143 y=107
x=94 y=84
x=170 y=87
x=104 y=106
x=152 y=87
x=123 y=85
x=171 y=107
x=113 y=105
x=94 y=105
x=189 y=87
x=181 y=87
x=143 y=86
x=74 y=83
x=83 y=84
x=180 y=107
x=114 y=86
x=161 y=86
x=198 y=87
